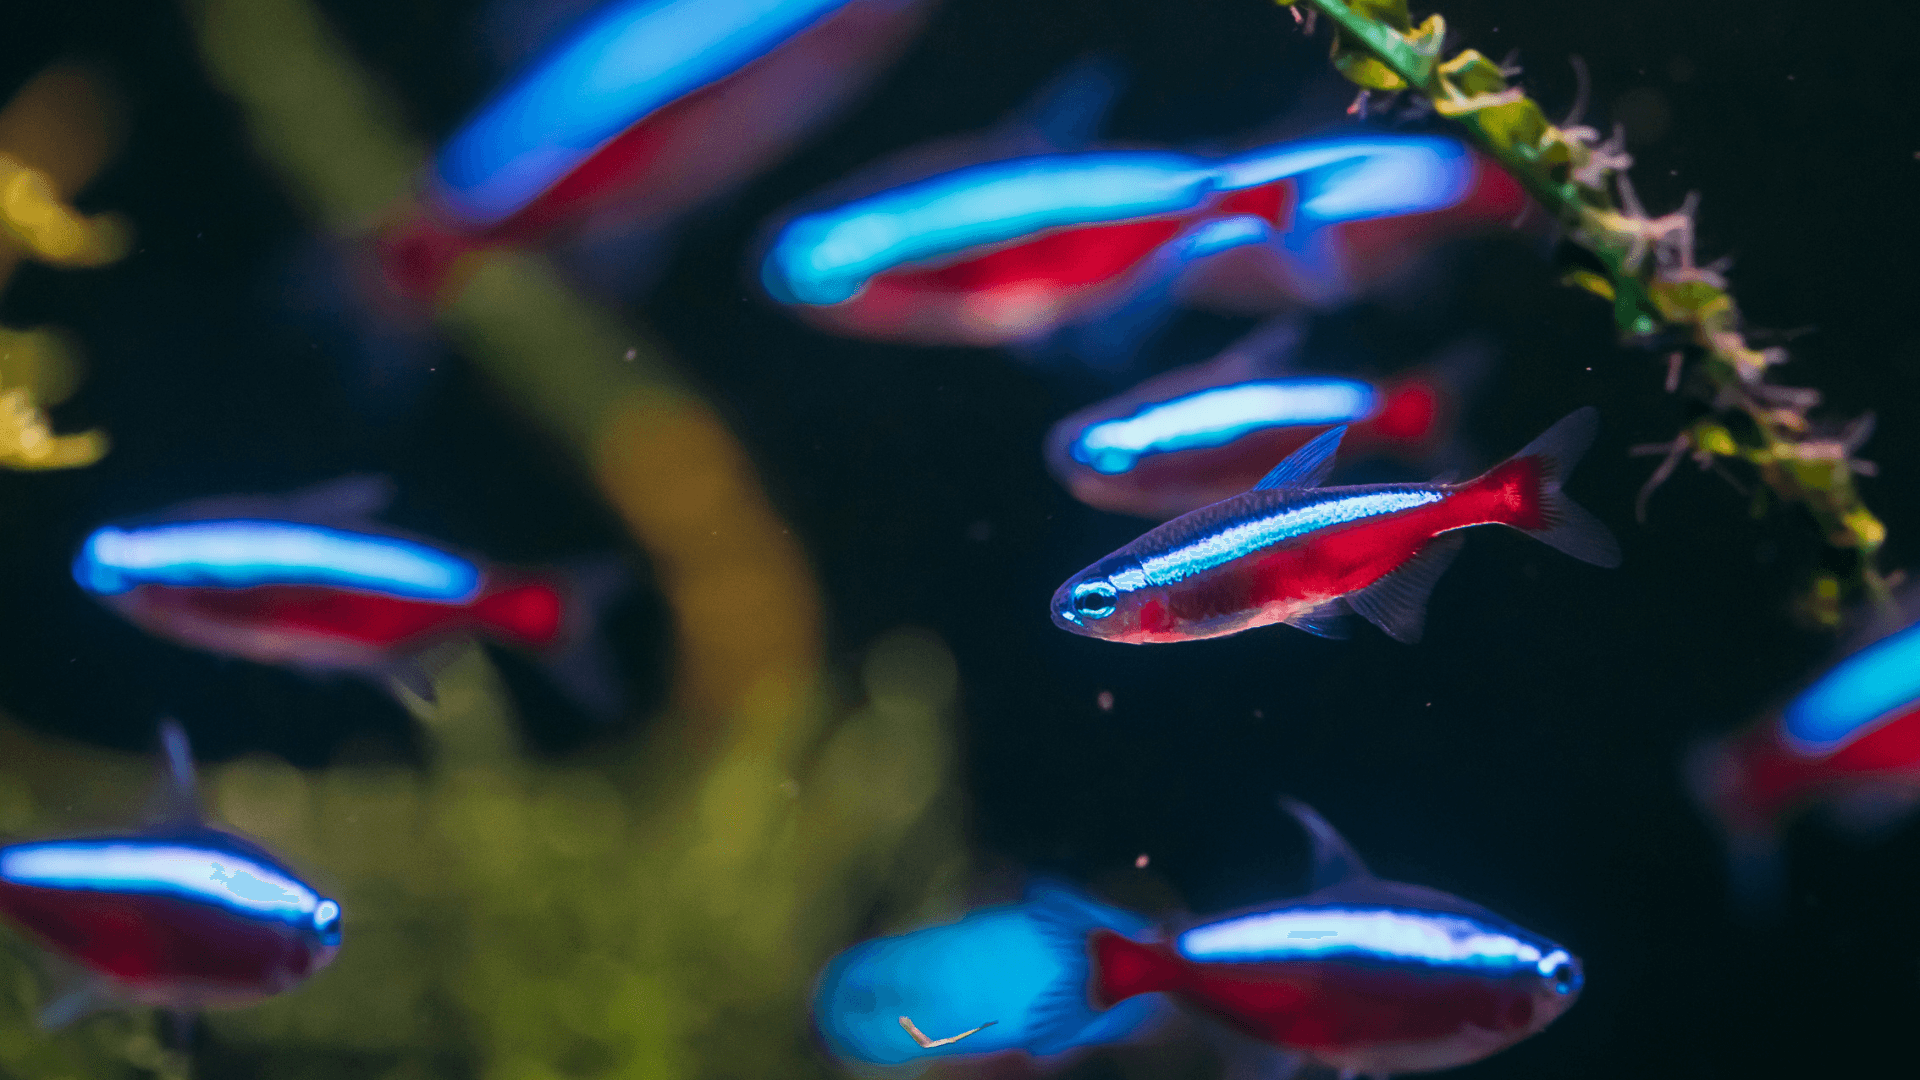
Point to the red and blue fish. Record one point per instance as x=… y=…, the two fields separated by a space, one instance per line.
x=1849 y=741
x=1290 y=551
x=1364 y=976
x=642 y=110
x=179 y=916
x=308 y=581
x=1201 y=434
x=1008 y=250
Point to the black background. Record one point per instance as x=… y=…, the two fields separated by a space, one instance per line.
x=1525 y=755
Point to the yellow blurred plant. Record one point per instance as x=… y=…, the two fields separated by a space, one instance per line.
x=55 y=135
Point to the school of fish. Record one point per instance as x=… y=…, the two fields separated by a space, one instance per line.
x=1031 y=236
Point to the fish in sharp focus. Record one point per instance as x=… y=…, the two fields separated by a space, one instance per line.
x=1200 y=434
x=1006 y=251
x=1001 y=965
x=310 y=581
x=1366 y=976
x=641 y=110
x=179 y=916
x=1290 y=551
x=1848 y=741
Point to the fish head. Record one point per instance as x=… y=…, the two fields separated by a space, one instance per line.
x=1102 y=601
x=1558 y=979
x=318 y=943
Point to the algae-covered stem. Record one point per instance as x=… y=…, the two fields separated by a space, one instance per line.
x=1660 y=297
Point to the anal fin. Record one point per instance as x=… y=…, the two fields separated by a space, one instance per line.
x=1329 y=620
x=1397 y=602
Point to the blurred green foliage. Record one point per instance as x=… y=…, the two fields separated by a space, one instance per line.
x=1660 y=297
x=656 y=908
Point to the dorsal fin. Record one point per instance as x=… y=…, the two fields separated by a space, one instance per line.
x=1068 y=111
x=1306 y=467
x=176 y=797
x=1334 y=860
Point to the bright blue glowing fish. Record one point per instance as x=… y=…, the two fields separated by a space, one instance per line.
x=625 y=61
x=1365 y=976
x=1849 y=741
x=1203 y=433
x=181 y=916
x=1008 y=967
x=1008 y=249
x=310 y=581
x=639 y=112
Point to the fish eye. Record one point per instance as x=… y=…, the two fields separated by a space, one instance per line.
x=326 y=917
x=1564 y=977
x=1094 y=599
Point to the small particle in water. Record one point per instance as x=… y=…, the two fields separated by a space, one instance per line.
x=1141 y=862
x=1105 y=701
x=790 y=788
x=1259 y=714
x=632 y=355
x=928 y=1044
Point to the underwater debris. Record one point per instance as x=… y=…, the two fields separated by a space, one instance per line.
x=928 y=1044
x=1667 y=300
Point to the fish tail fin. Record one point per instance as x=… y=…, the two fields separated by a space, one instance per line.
x=1756 y=882
x=560 y=620
x=1421 y=404
x=1527 y=491
x=1077 y=1008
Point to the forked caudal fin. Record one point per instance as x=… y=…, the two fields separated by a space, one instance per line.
x=1078 y=1005
x=1539 y=508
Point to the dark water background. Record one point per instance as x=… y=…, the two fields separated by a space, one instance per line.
x=1524 y=755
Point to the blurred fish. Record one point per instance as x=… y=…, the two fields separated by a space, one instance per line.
x=309 y=581
x=1200 y=434
x=1849 y=741
x=179 y=916
x=1004 y=966
x=1365 y=976
x=1291 y=551
x=642 y=110
x=1010 y=249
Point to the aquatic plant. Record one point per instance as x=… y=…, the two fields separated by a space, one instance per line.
x=1662 y=298
x=55 y=134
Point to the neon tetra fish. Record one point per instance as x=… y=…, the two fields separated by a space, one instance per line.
x=1366 y=976
x=1850 y=740
x=997 y=970
x=1201 y=434
x=308 y=581
x=1005 y=251
x=180 y=916
x=644 y=109
x=1293 y=552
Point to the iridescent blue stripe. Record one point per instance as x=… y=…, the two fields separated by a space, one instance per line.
x=1374 y=934
x=214 y=876
x=1218 y=416
x=1349 y=178
x=1239 y=538
x=827 y=257
x=239 y=554
x=622 y=63
x=1866 y=686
